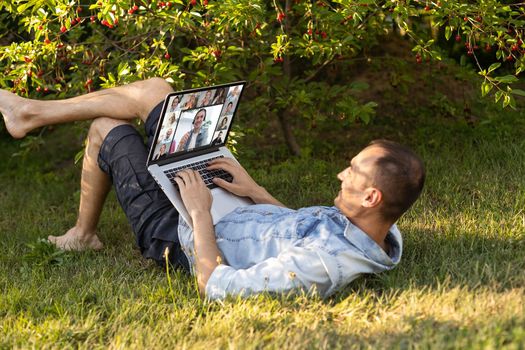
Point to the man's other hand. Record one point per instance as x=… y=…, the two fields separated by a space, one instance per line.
x=195 y=195
x=242 y=185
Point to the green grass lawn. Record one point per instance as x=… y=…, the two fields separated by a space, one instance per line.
x=460 y=284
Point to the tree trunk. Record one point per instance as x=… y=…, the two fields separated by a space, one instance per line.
x=288 y=135
x=283 y=115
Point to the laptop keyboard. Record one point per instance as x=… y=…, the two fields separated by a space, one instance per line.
x=207 y=175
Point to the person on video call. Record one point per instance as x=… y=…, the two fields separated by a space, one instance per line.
x=198 y=134
x=223 y=124
x=220 y=97
x=162 y=152
x=265 y=247
x=218 y=139
x=206 y=99
x=175 y=103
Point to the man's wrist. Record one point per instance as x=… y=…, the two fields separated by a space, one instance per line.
x=199 y=214
x=261 y=196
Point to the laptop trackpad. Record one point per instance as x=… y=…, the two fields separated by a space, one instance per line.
x=224 y=203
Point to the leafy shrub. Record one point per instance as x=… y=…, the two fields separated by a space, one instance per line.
x=283 y=48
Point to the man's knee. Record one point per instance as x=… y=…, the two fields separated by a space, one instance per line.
x=148 y=93
x=158 y=84
x=101 y=127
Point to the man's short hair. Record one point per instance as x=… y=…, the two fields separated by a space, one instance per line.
x=400 y=176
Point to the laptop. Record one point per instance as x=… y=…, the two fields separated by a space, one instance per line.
x=193 y=129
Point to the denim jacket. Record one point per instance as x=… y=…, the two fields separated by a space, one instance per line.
x=267 y=248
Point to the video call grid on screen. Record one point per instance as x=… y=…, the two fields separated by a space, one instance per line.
x=207 y=112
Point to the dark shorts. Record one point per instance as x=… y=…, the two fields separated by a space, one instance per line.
x=153 y=218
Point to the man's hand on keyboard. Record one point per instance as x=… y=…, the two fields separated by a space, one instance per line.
x=195 y=195
x=242 y=184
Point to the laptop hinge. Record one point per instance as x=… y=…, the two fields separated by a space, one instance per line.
x=186 y=156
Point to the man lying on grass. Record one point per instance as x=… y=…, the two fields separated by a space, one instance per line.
x=262 y=247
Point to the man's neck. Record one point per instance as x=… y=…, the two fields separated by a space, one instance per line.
x=376 y=228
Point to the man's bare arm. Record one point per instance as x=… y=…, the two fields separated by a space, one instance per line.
x=197 y=199
x=242 y=185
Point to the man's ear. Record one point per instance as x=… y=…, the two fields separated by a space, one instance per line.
x=373 y=197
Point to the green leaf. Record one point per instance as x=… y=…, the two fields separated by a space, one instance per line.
x=518 y=92
x=494 y=66
x=448 y=32
x=498 y=95
x=506 y=79
x=485 y=88
x=506 y=100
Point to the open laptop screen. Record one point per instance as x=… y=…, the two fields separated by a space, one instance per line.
x=195 y=119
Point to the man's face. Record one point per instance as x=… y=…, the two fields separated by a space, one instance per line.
x=199 y=118
x=356 y=179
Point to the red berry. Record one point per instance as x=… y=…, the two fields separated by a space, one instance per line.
x=92 y=19
x=29 y=73
x=162 y=4
x=130 y=11
x=78 y=19
x=38 y=89
x=40 y=73
x=205 y=2
x=168 y=4
x=79 y=9
x=488 y=48
x=309 y=31
x=89 y=82
x=515 y=47
x=280 y=17
x=135 y=8
x=47 y=41
x=73 y=22
x=217 y=53
x=510 y=58
x=324 y=35
x=470 y=52
x=46 y=89
x=478 y=18
x=27 y=59
x=193 y=2
x=418 y=59
x=60 y=45
x=40 y=27
x=63 y=29
x=427 y=8
x=458 y=38
x=465 y=18
x=167 y=56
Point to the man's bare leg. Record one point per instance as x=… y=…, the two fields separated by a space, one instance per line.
x=127 y=102
x=94 y=187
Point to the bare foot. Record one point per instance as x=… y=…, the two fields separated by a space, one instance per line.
x=15 y=110
x=74 y=239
